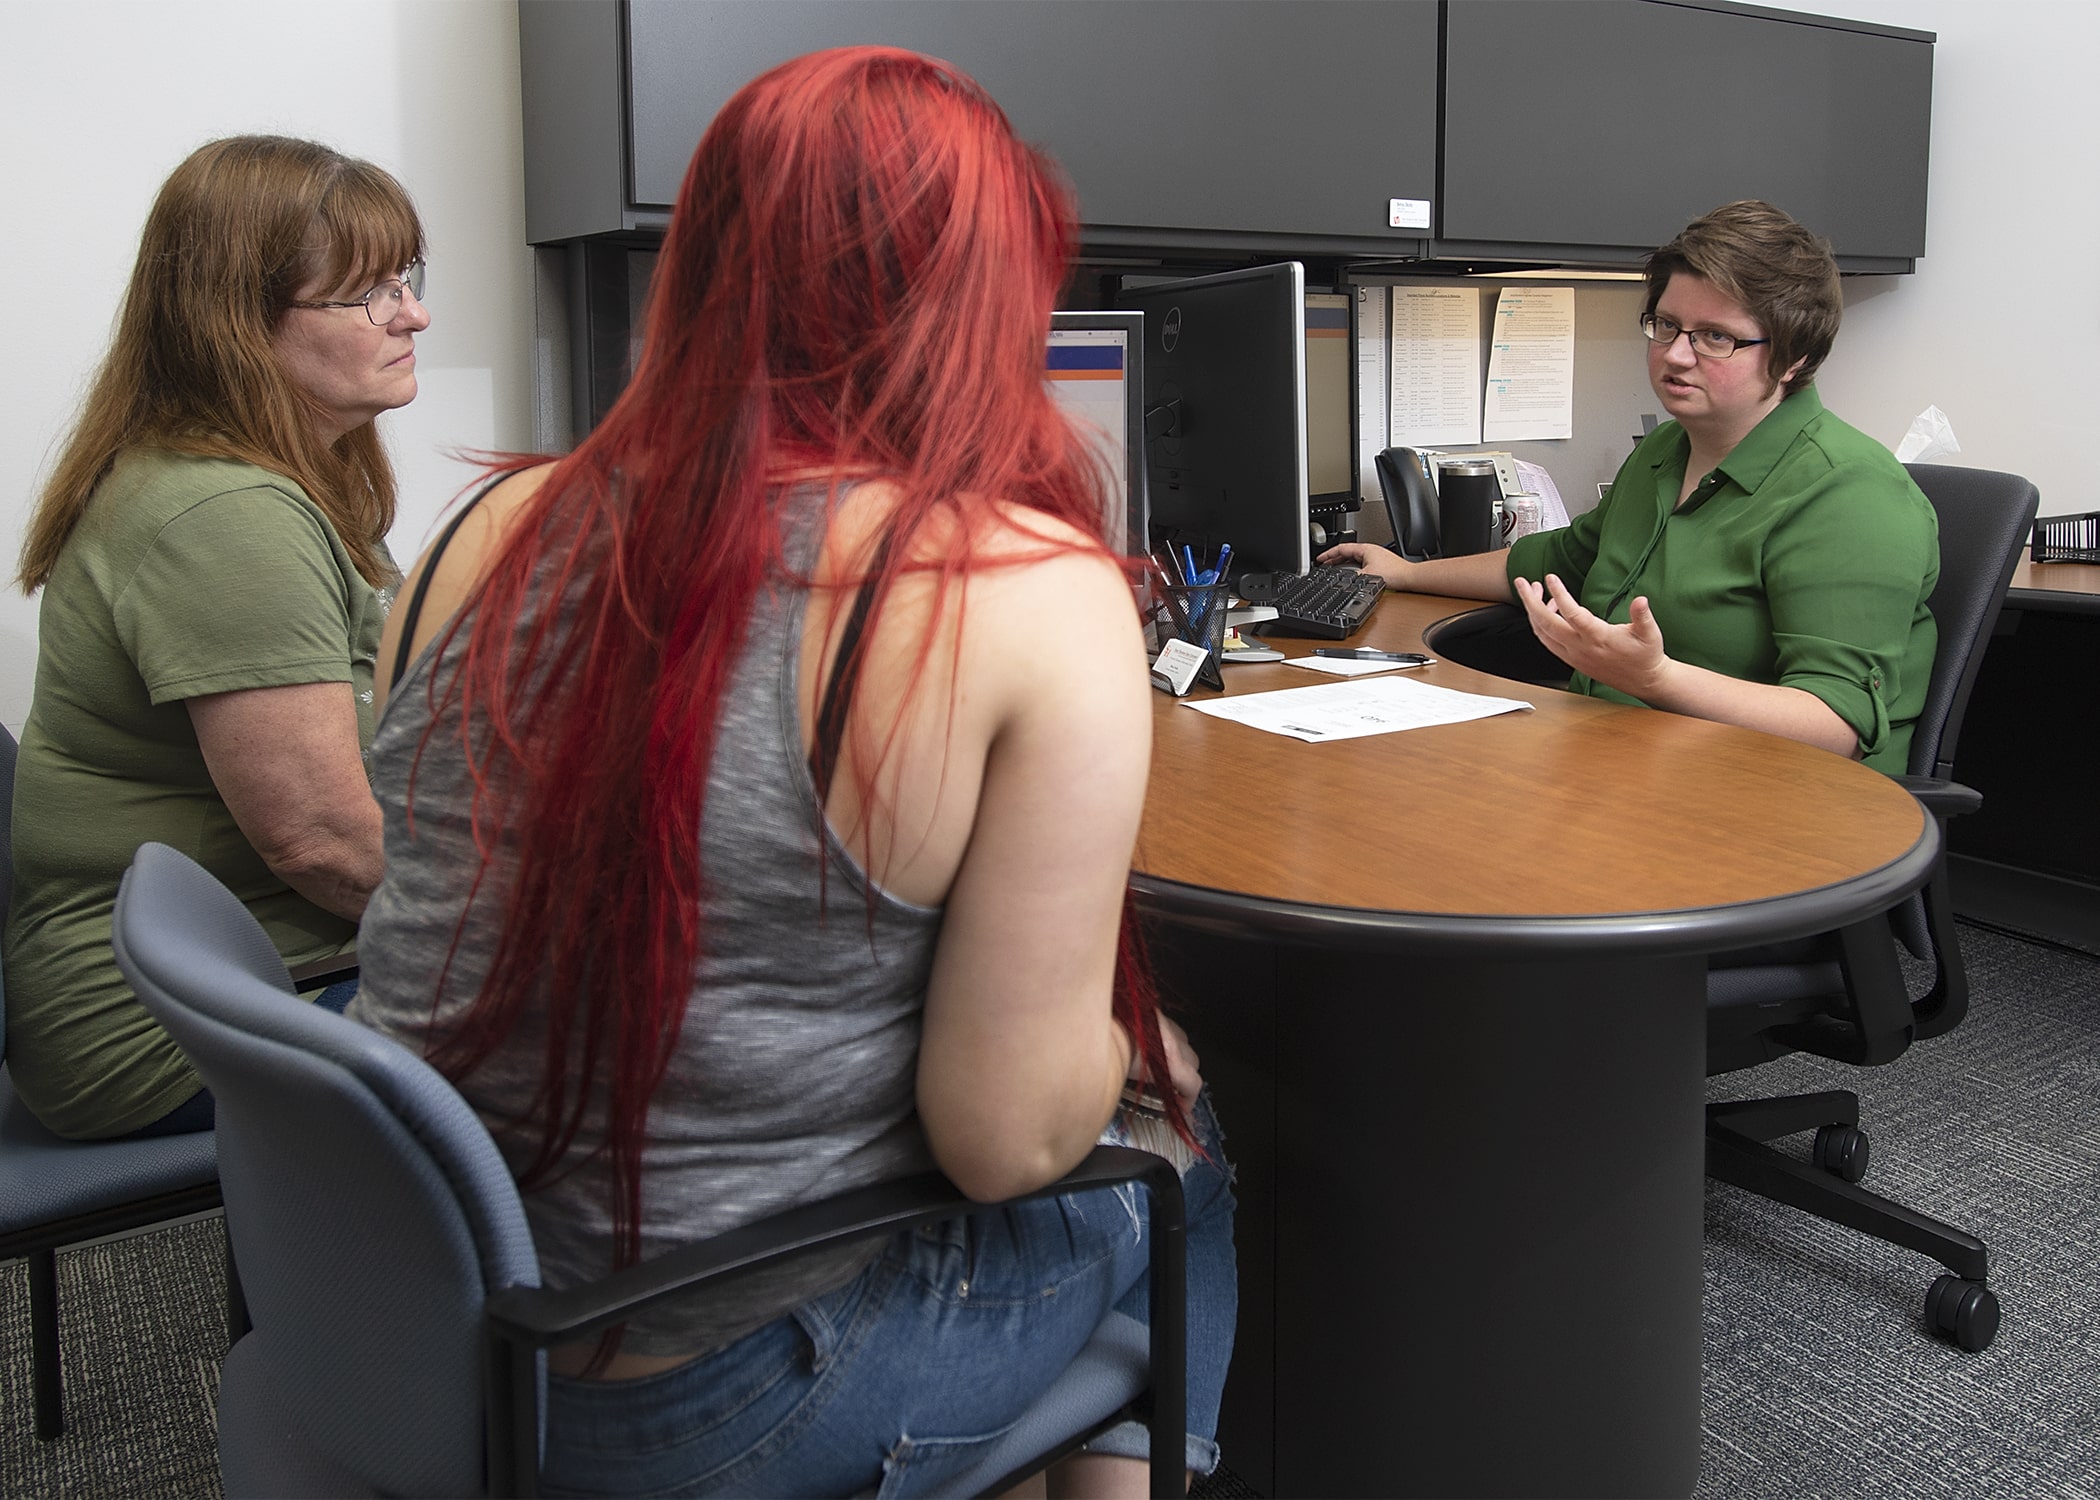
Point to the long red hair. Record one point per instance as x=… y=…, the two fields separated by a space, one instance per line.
x=857 y=279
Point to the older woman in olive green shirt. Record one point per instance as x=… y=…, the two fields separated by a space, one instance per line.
x=1758 y=561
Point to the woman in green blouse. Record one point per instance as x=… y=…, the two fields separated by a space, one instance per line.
x=1757 y=561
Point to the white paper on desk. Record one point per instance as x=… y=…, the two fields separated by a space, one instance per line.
x=1350 y=666
x=1351 y=710
x=1531 y=365
x=1436 y=366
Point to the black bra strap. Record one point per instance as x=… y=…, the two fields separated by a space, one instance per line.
x=406 y=640
x=838 y=687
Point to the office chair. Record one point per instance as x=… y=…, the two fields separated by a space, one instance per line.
x=55 y=1192
x=1843 y=996
x=391 y=1272
x=1410 y=504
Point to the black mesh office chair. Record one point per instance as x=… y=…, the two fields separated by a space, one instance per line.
x=1410 y=504
x=1843 y=996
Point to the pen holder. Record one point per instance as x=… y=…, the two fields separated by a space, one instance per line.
x=1179 y=612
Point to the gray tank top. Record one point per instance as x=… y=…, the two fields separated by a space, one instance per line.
x=794 y=1073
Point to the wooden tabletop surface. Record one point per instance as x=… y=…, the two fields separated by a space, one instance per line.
x=2058 y=577
x=1576 y=809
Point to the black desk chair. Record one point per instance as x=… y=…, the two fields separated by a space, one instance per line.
x=1410 y=504
x=399 y=1320
x=1843 y=996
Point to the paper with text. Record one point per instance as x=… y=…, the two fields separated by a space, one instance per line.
x=1435 y=366
x=1351 y=710
x=1531 y=365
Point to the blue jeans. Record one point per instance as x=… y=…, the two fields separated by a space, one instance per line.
x=893 y=1382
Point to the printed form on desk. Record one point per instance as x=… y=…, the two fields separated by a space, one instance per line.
x=1351 y=710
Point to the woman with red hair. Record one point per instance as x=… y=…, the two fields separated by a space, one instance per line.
x=744 y=848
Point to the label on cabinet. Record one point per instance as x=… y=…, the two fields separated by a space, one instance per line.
x=1407 y=213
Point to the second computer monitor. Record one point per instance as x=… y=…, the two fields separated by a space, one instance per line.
x=1225 y=414
x=1095 y=368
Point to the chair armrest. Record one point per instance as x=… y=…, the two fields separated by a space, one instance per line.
x=543 y=1316
x=322 y=972
x=1942 y=798
x=521 y=1320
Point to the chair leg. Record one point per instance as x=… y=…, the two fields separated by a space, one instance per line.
x=1772 y=1119
x=44 y=1375
x=237 y=1324
x=1736 y=1157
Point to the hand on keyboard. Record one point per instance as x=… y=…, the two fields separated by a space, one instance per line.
x=1329 y=603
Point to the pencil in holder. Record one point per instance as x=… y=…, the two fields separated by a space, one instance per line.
x=1194 y=613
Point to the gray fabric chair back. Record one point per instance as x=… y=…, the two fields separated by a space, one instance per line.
x=1984 y=516
x=368 y=1209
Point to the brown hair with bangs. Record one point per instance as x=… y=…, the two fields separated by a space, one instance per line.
x=239 y=229
x=1775 y=270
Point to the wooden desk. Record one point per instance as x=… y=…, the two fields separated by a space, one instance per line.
x=1448 y=986
x=2030 y=859
x=2069 y=588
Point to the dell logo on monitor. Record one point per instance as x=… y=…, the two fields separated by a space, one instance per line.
x=1170 y=331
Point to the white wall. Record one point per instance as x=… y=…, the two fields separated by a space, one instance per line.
x=104 y=97
x=1993 y=327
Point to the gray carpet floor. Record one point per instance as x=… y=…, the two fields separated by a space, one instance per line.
x=1819 y=1378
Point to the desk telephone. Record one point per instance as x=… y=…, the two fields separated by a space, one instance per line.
x=1408 y=477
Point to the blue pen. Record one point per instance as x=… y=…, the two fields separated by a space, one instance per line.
x=1188 y=565
x=1224 y=557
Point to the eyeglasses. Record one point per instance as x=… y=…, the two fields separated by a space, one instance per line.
x=382 y=304
x=1708 y=343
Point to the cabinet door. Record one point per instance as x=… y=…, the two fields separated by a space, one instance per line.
x=1296 y=120
x=1613 y=123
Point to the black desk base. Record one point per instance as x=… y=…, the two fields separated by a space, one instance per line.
x=1470 y=1220
x=2030 y=858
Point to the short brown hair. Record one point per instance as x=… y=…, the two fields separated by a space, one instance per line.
x=235 y=234
x=1782 y=275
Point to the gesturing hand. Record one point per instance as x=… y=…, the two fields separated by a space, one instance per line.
x=1628 y=657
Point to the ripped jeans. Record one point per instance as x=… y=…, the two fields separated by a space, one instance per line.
x=892 y=1382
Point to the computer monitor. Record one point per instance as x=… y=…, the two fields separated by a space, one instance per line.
x=1330 y=403
x=1095 y=368
x=1225 y=414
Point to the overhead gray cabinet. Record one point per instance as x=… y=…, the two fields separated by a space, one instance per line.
x=1607 y=125
x=1182 y=124
x=1543 y=131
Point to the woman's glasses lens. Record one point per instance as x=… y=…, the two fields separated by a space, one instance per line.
x=1710 y=342
x=383 y=302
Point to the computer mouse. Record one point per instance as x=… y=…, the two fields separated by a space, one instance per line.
x=1257 y=588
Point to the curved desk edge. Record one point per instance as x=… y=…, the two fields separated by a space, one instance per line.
x=1691 y=930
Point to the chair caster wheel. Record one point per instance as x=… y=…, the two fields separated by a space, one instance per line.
x=1841 y=1150
x=1962 y=1310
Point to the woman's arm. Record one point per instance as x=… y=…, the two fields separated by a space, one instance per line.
x=1478 y=575
x=1020 y=1062
x=1632 y=658
x=285 y=761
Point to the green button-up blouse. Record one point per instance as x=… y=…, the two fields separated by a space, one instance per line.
x=1804 y=559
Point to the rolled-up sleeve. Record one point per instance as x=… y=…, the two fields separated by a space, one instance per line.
x=1567 y=551
x=1846 y=576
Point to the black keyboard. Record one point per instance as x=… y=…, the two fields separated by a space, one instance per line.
x=1331 y=603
